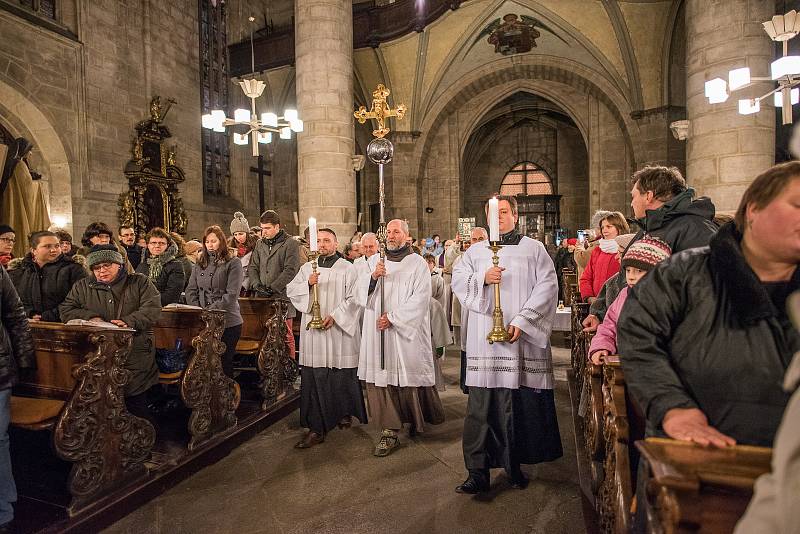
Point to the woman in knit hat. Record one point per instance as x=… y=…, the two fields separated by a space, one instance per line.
x=243 y=242
x=638 y=260
x=110 y=294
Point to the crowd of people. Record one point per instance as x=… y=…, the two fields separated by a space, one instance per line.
x=694 y=303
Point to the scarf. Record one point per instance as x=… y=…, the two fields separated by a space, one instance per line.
x=398 y=254
x=279 y=238
x=609 y=246
x=157 y=263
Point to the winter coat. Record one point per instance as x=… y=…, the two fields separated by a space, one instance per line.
x=775 y=507
x=274 y=264
x=42 y=289
x=170 y=283
x=600 y=268
x=682 y=223
x=187 y=266
x=135 y=253
x=16 y=341
x=606 y=336
x=217 y=288
x=701 y=331
x=141 y=308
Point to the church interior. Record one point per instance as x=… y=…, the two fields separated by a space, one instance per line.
x=143 y=114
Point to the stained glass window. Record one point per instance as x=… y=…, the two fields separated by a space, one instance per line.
x=526 y=179
x=214 y=83
x=45 y=8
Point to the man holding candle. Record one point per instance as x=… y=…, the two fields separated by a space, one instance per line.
x=330 y=393
x=396 y=360
x=511 y=416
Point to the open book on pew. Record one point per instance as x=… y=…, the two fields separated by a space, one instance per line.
x=96 y=324
x=177 y=306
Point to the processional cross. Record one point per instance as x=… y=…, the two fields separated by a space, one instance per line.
x=380 y=111
x=380 y=151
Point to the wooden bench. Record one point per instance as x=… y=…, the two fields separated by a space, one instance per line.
x=80 y=377
x=570 y=284
x=691 y=488
x=264 y=335
x=212 y=396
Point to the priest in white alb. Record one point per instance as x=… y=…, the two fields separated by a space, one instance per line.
x=402 y=390
x=330 y=392
x=511 y=414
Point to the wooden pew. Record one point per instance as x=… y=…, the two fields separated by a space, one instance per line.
x=570 y=284
x=81 y=367
x=699 y=489
x=616 y=492
x=212 y=396
x=264 y=334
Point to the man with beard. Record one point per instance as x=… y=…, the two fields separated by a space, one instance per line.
x=395 y=358
x=511 y=414
x=330 y=393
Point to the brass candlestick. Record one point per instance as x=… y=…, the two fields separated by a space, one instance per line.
x=316 y=316
x=498 y=333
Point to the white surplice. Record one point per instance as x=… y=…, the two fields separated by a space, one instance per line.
x=338 y=346
x=528 y=296
x=407 y=343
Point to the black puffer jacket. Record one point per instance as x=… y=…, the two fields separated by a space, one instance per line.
x=16 y=342
x=701 y=331
x=42 y=289
x=681 y=222
x=171 y=282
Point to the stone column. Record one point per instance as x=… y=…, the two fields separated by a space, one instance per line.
x=725 y=150
x=324 y=87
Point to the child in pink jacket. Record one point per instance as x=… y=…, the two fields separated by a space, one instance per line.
x=641 y=256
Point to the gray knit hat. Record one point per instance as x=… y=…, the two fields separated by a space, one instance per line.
x=239 y=223
x=104 y=254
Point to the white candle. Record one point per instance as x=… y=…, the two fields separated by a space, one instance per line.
x=312 y=234
x=494 y=220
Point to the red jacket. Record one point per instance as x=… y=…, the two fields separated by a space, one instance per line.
x=601 y=267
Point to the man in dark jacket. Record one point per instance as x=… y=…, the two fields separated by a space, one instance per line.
x=161 y=266
x=127 y=300
x=44 y=277
x=274 y=263
x=664 y=207
x=16 y=354
x=127 y=238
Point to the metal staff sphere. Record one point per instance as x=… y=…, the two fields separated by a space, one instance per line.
x=380 y=151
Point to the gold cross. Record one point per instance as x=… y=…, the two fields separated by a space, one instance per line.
x=380 y=111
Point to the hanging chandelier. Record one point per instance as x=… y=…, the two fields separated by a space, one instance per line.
x=784 y=70
x=254 y=130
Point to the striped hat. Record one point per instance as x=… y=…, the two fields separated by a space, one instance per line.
x=646 y=253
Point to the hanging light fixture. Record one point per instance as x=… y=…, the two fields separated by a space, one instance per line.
x=259 y=130
x=784 y=70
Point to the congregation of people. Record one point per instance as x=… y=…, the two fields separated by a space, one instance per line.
x=693 y=302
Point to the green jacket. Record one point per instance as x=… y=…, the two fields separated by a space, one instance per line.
x=273 y=264
x=141 y=308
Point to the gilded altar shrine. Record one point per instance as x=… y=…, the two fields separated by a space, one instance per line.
x=152 y=199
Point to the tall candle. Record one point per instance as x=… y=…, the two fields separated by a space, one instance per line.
x=312 y=234
x=494 y=220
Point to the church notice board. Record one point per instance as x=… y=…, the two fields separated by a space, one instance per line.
x=465 y=226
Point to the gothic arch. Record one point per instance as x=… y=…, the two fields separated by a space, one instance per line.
x=24 y=118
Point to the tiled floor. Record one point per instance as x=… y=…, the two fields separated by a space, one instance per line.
x=266 y=486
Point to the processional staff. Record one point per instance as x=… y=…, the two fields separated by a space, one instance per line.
x=499 y=333
x=380 y=151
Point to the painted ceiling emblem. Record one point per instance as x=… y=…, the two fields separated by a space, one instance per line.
x=514 y=35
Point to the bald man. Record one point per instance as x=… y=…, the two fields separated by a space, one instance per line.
x=403 y=390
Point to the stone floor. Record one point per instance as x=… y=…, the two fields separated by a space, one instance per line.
x=266 y=486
